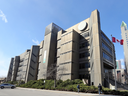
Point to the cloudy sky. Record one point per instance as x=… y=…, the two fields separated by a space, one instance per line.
x=23 y=22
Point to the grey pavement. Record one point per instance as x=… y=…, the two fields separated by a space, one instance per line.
x=40 y=92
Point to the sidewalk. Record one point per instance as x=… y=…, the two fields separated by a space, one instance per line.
x=68 y=92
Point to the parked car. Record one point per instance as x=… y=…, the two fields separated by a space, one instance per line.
x=7 y=86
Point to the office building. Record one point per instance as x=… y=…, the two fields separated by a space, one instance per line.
x=120 y=75
x=82 y=51
x=25 y=66
x=124 y=33
x=15 y=68
x=118 y=64
x=9 y=76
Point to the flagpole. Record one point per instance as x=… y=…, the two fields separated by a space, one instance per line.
x=114 y=65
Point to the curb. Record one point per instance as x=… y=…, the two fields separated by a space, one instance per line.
x=90 y=94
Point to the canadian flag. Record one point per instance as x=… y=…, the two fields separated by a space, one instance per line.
x=119 y=41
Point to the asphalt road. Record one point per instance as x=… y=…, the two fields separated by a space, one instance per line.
x=39 y=92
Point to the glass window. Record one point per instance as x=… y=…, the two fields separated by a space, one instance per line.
x=86 y=34
x=106 y=48
x=85 y=76
x=107 y=57
x=84 y=65
x=83 y=45
x=105 y=38
x=82 y=55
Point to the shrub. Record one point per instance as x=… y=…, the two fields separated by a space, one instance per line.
x=70 y=88
x=77 y=81
x=59 y=82
x=68 y=85
x=106 y=90
x=12 y=82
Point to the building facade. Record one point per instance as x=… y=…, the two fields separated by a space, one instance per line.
x=15 y=68
x=25 y=66
x=118 y=64
x=82 y=51
x=9 y=75
x=120 y=75
x=124 y=33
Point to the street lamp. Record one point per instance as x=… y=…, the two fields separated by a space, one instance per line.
x=44 y=84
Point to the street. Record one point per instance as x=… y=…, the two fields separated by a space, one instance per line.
x=40 y=92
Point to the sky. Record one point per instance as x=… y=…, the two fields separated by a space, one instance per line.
x=23 y=22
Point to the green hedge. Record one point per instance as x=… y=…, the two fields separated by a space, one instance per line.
x=12 y=82
x=69 y=85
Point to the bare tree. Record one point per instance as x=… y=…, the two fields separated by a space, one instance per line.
x=60 y=72
x=54 y=72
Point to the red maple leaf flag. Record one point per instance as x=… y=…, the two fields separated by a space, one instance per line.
x=117 y=40
x=121 y=41
x=114 y=39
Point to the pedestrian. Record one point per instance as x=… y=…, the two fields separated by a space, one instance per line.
x=100 y=88
x=78 y=87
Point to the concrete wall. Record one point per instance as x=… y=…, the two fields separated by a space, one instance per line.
x=39 y=76
x=22 y=69
x=15 y=68
x=9 y=75
x=124 y=33
x=49 y=50
x=25 y=66
x=120 y=75
x=68 y=47
x=32 y=67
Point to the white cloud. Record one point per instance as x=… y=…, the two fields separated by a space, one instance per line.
x=36 y=42
x=3 y=17
x=123 y=66
x=122 y=61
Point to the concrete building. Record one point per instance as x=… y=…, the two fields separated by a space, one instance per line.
x=15 y=68
x=9 y=76
x=48 y=50
x=118 y=64
x=83 y=51
x=28 y=65
x=124 y=33
x=2 y=80
x=120 y=74
x=25 y=66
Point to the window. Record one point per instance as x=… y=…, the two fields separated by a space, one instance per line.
x=86 y=34
x=107 y=57
x=32 y=67
x=84 y=65
x=33 y=61
x=33 y=54
x=85 y=44
x=105 y=38
x=66 y=34
x=84 y=76
x=6 y=84
x=82 y=55
x=106 y=48
x=31 y=74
